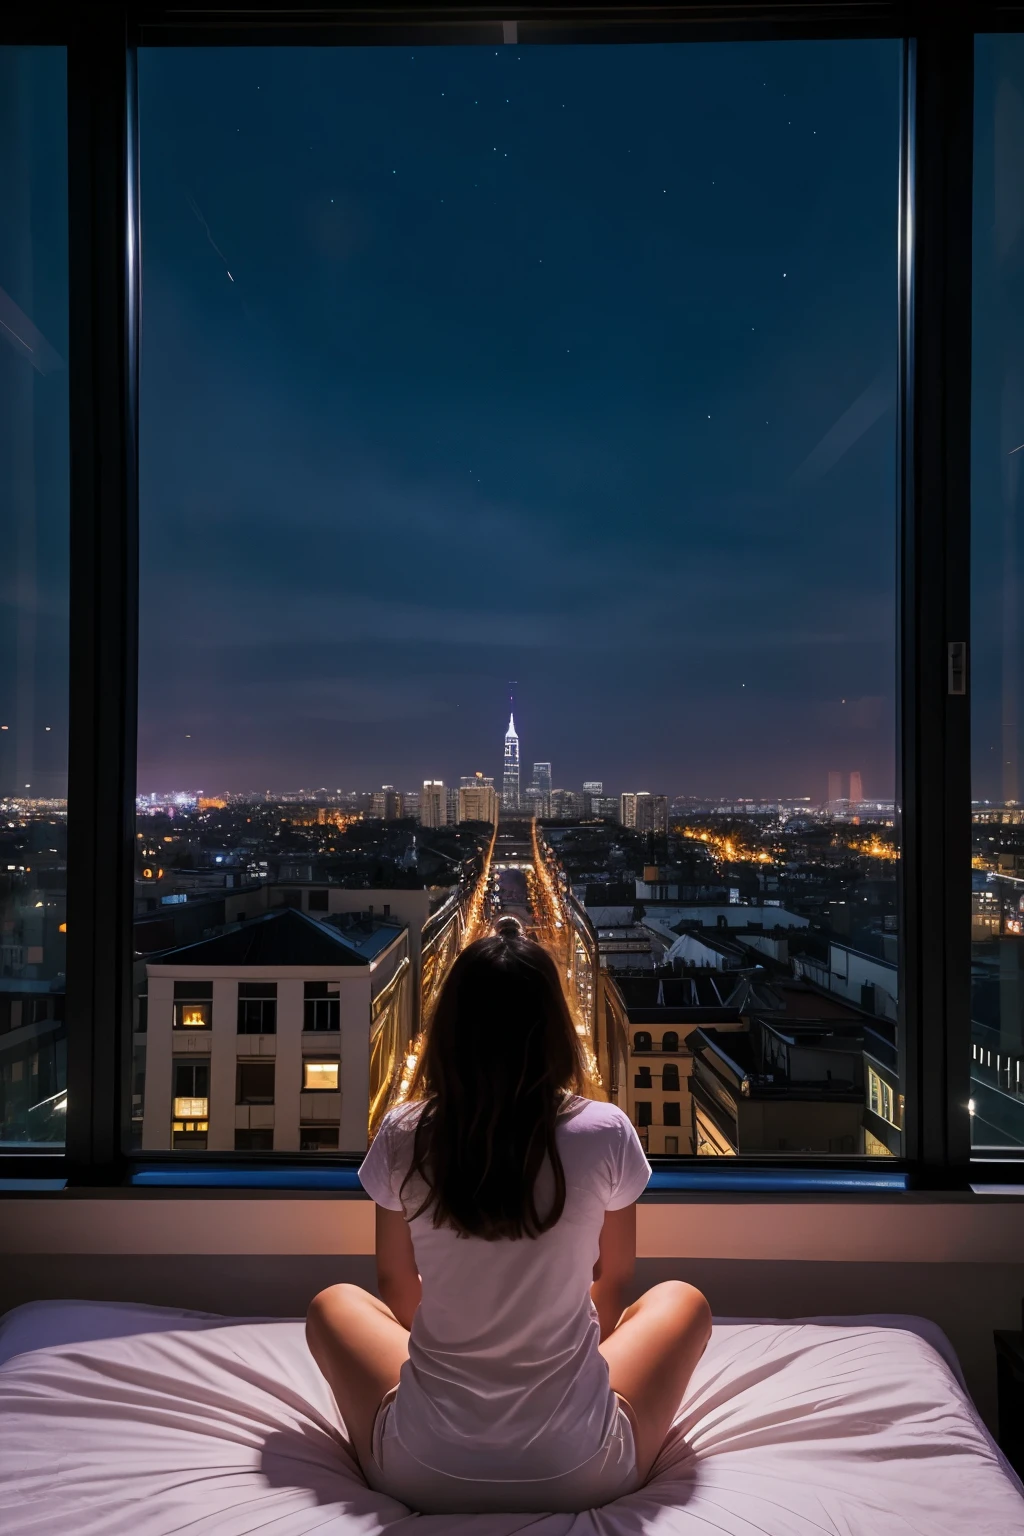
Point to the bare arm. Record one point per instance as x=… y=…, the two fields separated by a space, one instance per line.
x=613 y=1272
x=397 y=1278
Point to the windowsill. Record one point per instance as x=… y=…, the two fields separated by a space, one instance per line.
x=693 y=1183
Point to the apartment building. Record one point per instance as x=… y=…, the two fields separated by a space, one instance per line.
x=798 y=1105
x=660 y=1015
x=280 y=1034
x=808 y=1074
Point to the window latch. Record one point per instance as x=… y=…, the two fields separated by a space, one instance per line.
x=956 y=666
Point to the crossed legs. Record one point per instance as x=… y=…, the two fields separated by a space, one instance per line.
x=360 y=1347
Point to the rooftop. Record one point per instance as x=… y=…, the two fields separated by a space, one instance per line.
x=733 y=1058
x=287 y=938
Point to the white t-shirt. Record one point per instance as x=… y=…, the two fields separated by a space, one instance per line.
x=504 y=1377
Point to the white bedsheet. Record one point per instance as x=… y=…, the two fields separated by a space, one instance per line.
x=142 y=1421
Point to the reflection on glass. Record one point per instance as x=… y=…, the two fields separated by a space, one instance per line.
x=997 y=564
x=518 y=466
x=33 y=595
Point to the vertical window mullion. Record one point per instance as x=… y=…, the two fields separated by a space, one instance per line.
x=934 y=769
x=103 y=247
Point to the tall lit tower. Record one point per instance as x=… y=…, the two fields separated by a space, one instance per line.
x=510 y=776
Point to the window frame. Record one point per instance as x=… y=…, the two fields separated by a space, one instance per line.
x=934 y=318
x=267 y=1066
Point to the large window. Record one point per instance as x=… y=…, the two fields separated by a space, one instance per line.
x=997 y=556
x=561 y=372
x=522 y=463
x=33 y=595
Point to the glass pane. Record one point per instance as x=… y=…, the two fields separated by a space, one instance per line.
x=509 y=418
x=997 y=563
x=33 y=595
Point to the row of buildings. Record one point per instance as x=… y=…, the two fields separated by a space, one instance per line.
x=739 y=1044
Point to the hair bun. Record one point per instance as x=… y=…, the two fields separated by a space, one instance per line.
x=509 y=928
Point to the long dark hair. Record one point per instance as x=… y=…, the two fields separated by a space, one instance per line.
x=500 y=1054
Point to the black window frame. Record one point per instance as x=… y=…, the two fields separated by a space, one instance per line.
x=935 y=297
x=256 y=1016
x=317 y=999
x=256 y=1008
x=194 y=1063
x=314 y=1007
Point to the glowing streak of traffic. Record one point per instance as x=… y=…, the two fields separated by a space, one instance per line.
x=477 y=924
x=551 y=926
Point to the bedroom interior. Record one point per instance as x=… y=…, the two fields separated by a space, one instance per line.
x=297 y=465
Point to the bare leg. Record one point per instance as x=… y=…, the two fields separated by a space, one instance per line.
x=651 y=1354
x=360 y=1347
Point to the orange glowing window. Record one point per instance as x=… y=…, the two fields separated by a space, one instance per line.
x=192 y=1015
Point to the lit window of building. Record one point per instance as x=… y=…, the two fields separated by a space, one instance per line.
x=319 y=1075
x=881 y=1097
x=191 y=1091
x=193 y=1004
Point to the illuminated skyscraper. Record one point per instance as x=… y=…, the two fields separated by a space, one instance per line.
x=510 y=776
x=835 y=787
x=651 y=813
x=477 y=799
x=433 y=804
x=856 y=789
x=537 y=798
x=644 y=811
x=387 y=804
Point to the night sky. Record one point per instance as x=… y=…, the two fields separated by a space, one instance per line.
x=997 y=421
x=573 y=366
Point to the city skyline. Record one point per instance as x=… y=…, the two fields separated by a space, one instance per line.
x=511 y=767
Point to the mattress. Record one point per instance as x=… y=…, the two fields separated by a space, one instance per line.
x=141 y=1421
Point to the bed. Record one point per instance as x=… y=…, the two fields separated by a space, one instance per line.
x=145 y=1421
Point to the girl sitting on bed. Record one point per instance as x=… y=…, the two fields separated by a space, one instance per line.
x=499 y=1371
